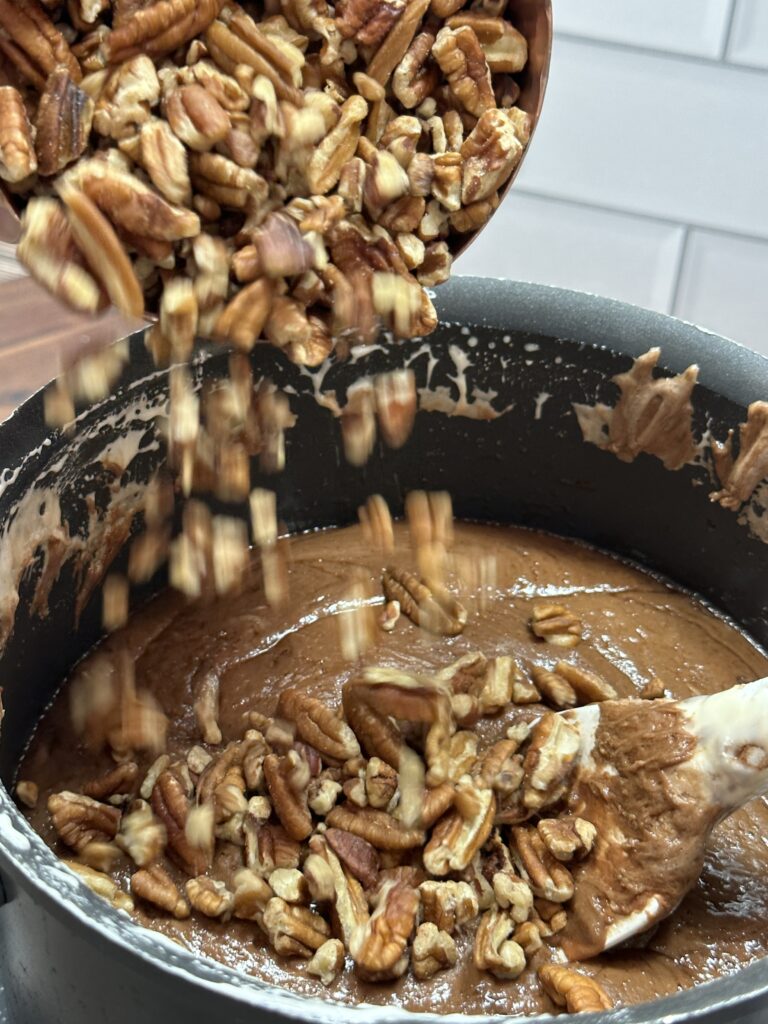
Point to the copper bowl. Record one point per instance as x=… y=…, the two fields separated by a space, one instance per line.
x=532 y=17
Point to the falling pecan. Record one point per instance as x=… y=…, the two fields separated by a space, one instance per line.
x=462 y=831
x=436 y=612
x=379 y=948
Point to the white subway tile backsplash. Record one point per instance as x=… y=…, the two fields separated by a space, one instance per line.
x=534 y=239
x=723 y=287
x=683 y=26
x=642 y=133
x=749 y=36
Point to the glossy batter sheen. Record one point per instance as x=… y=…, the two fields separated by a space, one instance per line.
x=635 y=628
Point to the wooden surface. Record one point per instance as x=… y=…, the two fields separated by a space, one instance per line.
x=38 y=336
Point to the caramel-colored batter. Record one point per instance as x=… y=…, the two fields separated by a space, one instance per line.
x=635 y=628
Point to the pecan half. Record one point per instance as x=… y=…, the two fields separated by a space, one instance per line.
x=121 y=781
x=549 y=761
x=79 y=820
x=396 y=402
x=319 y=726
x=32 y=43
x=292 y=930
x=325 y=164
x=415 y=77
x=210 y=897
x=102 y=885
x=555 y=624
x=547 y=877
x=378 y=948
x=436 y=612
x=462 y=831
x=495 y=950
x=462 y=60
x=96 y=238
x=380 y=829
x=171 y=805
x=505 y=49
x=64 y=118
x=196 y=117
x=490 y=152
x=378 y=735
x=554 y=688
x=154 y=885
x=160 y=29
x=288 y=795
x=251 y=895
x=394 y=47
x=356 y=854
x=337 y=885
x=17 y=149
x=577 y=992
x=589 y=687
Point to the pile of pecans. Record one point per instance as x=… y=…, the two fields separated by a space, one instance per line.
x=383 y=834
x=296 y=170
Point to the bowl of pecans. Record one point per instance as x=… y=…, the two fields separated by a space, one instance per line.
x=325 y=774
x=299 y=171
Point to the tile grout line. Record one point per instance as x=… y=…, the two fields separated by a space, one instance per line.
x=678 y=276
x=648 y=51
x=729 y=25
x=658 y=219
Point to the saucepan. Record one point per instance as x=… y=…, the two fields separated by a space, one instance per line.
x=497 y=429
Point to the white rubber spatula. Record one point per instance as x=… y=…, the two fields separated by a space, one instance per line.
x=655 y=777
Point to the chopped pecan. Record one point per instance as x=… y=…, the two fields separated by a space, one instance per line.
x=501 y=767
x=27 y=793
x=251 y=895
x=225 y=181
x=292 y=930
x=577 y=992
x=120 y=782
x=448 y=905
x=505 y=49
x=567 y=838
x=462 y=831
x=319 y=726
x=433 y=950
x=549 y=761
x=141 y=835
x=654 y=689
x=210 y=897
x=17 y=148
x=290 y=885
x=32 y=44
x=284 y=780
x=463 y=62
x=380 y=829
x=269 y=847
x=513 y=894
x=102 y=885
x=494 y=950
x=379 y=948
x=555 y=624
x=79 y=820
x=196 y=117
x=171 y=805
x=436 y=801
x=97 y=239
x=322 y=794
x=381 y=783
x=393 y=48
x=160 y=29
x=63 y=122
x=547 y=877
x=491 y=151
x=328 y=961
x=154 y=885
x=164 y=159
x=126 y=100
x=356 y=854
x=437 y=612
